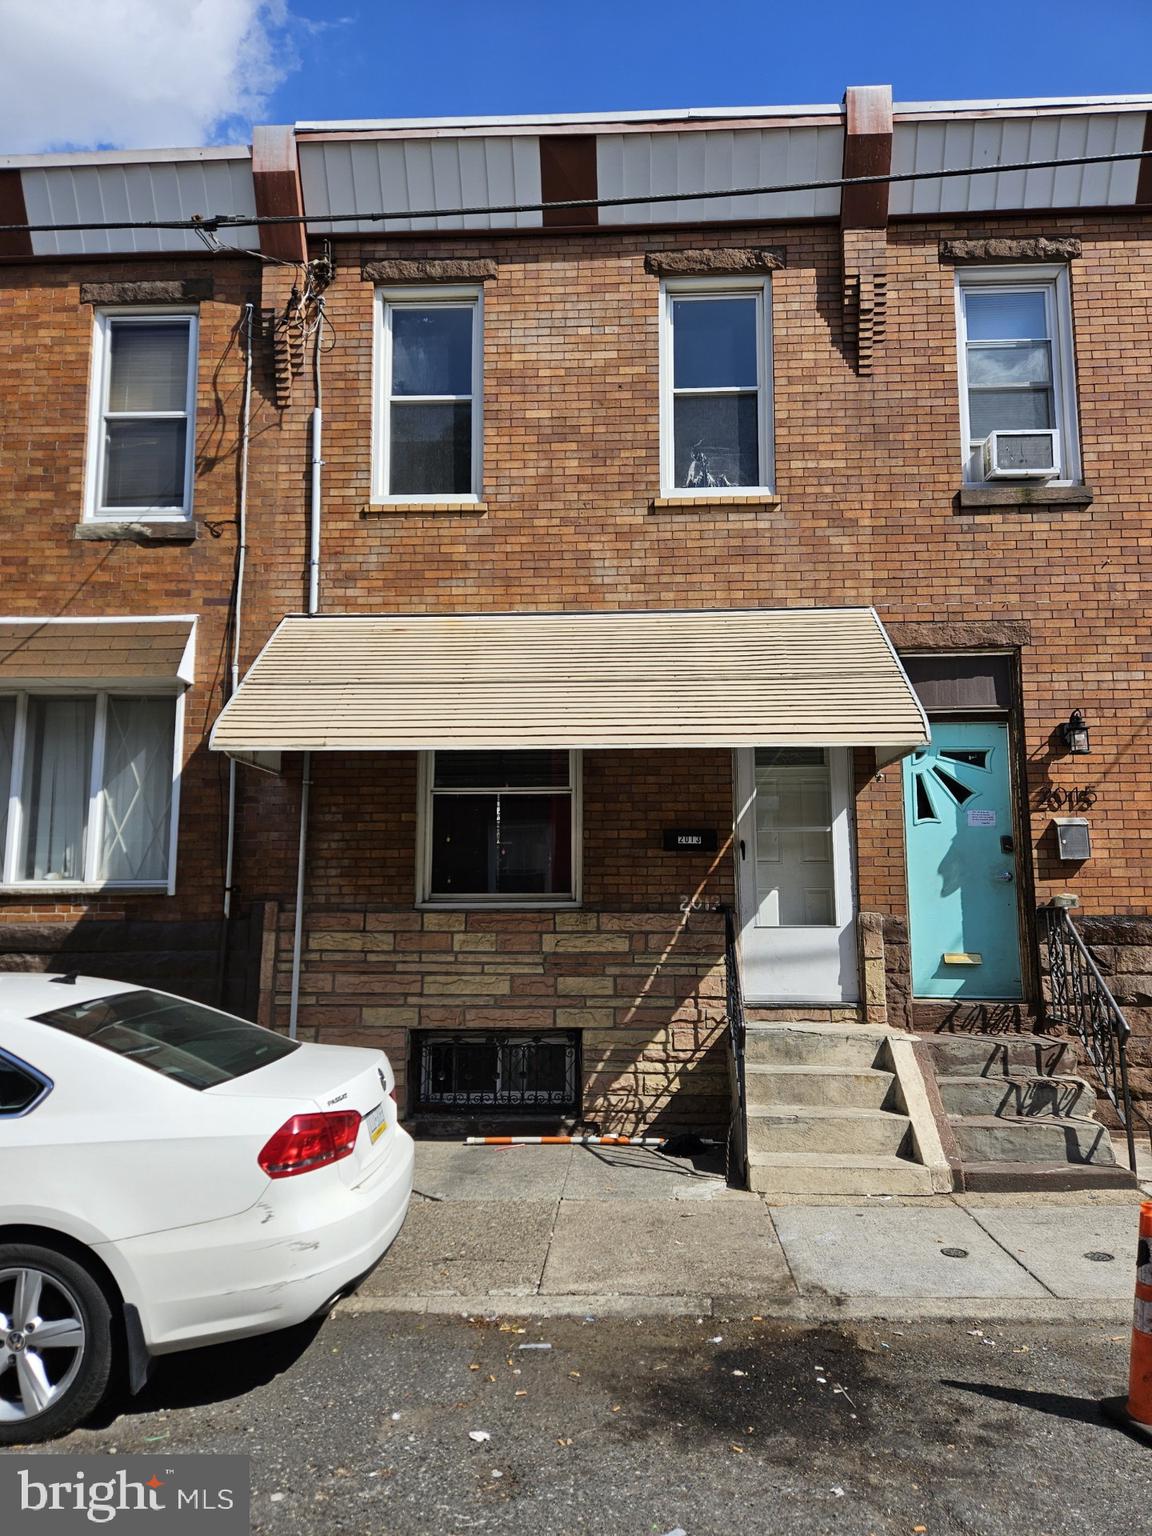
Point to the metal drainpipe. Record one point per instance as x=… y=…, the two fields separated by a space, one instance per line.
x=241 y=562
x=234 y=670
x=313 y=609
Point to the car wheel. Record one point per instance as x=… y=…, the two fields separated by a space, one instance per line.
x=55 y=1343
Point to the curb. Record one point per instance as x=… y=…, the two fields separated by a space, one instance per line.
x=826 y=1310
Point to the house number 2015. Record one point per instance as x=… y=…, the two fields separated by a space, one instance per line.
x=1053 y=798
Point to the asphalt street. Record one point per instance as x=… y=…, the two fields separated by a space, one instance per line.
x=367 y=1425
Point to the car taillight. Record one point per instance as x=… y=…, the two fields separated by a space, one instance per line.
x=310 y=1141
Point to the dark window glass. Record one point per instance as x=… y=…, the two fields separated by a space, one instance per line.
x=431 y=449
x=501 y=845
x=512 y=1072
x=144 y=463
x=501 y=770
x=717 y=440
x=194 y=1045
x=431 y=351
x=714 y=343
x=18 y=1089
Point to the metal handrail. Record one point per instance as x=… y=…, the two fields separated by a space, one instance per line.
x=1080 y=1000
x=736 y=1167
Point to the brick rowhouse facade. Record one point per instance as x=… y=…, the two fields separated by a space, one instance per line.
x=867 y=510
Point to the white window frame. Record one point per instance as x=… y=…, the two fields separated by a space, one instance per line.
x=14 y=840
x=718 y=287
x=1052 y=281
x=387 y=300
x=104 y=322
x=424 y=897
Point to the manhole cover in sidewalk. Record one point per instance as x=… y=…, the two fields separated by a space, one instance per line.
x=954 y=1253
x=1099 y=1258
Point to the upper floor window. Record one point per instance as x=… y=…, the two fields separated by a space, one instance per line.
x=427 y=428
x=501 y=827
x=142 y=421
x=86 y=788
x=716 y=387
x=1017 y=382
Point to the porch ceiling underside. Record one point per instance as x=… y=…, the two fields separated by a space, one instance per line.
x=708 y=678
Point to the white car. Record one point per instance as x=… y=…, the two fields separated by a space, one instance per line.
x=172 y=1176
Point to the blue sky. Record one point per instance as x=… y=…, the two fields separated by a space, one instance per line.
x=81 y=74
x=507 y=56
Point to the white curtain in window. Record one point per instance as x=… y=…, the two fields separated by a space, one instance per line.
x=7 y=734
x=57 y=774
x=137 y=788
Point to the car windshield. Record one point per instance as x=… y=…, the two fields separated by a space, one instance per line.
x=194 y=1045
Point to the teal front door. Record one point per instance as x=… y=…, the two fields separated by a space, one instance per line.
x=963 y=916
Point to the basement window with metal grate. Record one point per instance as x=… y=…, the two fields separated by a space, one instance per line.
x=509 y=1072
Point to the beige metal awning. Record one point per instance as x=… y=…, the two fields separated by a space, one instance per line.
x=86 y=652
x=705 y=678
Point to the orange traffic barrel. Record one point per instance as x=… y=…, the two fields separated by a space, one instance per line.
x=1135 y=1412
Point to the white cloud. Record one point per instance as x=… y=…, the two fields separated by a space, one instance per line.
x=85 y=74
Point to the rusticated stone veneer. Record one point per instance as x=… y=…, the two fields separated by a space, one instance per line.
x=645 y=989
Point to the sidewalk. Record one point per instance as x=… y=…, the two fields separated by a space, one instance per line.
x=590 y=1230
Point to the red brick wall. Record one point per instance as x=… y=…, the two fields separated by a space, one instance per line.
x=867 y=469
x=45 y=354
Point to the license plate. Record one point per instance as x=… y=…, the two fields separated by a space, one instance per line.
x=377 y=1122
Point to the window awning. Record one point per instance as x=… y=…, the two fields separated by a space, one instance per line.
x=705 y=678
x=88 y=652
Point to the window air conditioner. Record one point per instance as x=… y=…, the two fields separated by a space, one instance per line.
x=1021 y=455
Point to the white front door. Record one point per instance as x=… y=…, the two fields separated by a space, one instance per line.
x=794 y=860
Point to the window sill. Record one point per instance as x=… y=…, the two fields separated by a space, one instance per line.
x=48 y=888
x=184 y=531
x=982 y=498
x=422 y=508
x=497 y=906
x=755 y=501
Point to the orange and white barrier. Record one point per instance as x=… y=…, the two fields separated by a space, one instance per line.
x=1135 y=1413
x=570 y=1141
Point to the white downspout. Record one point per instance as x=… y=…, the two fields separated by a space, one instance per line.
x=313 y=609
x=241 y=562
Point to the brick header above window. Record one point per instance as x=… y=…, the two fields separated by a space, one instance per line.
x=180 y=290
x=427 y=270
x=719 y=260
x=1038 y=248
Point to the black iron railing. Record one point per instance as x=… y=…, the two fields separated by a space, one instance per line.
x=1081 y=1002
x=737 y=1149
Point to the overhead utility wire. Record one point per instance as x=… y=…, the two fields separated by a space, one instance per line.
x=246 y=220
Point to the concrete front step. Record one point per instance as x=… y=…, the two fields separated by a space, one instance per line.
x=812 y=1045
x=822 y=1086
x=995 y=1055
x=1039 y=1139
x=1022 y=1178
x=1015 y=1097
x=818 y=1130
x=829 y=1173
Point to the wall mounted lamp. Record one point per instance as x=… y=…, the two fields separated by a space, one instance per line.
x=1075 y=730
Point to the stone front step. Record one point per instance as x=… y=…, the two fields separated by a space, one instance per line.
x=819 y=1130
x=822 y=1086
x=996 y=1055
x=1038 y=1139
x=813 y=1045
x=1013 y=1097
x=828 y=1173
